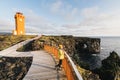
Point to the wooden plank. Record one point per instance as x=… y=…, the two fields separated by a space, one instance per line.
x=43 y=68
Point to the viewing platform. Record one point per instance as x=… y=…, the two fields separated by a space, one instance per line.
x=43 y=68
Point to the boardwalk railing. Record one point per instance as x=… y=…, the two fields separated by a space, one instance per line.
x=68 y=65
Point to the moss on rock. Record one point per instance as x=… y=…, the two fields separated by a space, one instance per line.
x=87 y=75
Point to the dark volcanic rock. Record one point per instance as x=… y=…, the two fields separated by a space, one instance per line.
x=14 y=68
x=87 y=45
x=110 y=69
x=37 y=45
x=71 y=44
x=74 y=45
x=32 y=46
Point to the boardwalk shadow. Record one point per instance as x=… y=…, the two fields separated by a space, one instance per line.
x=48 y=67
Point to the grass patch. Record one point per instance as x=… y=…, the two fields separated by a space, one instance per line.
x=9 y=40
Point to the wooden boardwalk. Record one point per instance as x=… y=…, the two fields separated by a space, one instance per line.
x=42 y=68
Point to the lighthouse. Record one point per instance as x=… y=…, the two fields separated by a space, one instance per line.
x=20 y=24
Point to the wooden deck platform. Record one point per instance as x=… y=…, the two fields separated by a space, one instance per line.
x=43 y=68
x=43 y=65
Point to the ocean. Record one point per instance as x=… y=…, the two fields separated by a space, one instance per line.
x=108 y=44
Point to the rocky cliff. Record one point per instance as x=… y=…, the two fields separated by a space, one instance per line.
x=110 y=69
x=71 y=44
x=87 y=45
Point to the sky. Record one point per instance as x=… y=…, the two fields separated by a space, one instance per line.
x=63 y=17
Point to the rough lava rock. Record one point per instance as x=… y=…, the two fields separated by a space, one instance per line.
x=110 y=69
x=14 y=68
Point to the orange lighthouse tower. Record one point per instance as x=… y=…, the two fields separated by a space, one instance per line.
x=19 y=23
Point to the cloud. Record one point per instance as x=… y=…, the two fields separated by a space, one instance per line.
x=6 y=25
x=93 y=17
x=102 y=23
x=34 y=20
x=72 y=14
x=96 y=23
x=56 y=6
x=64 y=10
x=39 y=24
x=89 y=12
x=92 y=20
x=102 y=19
